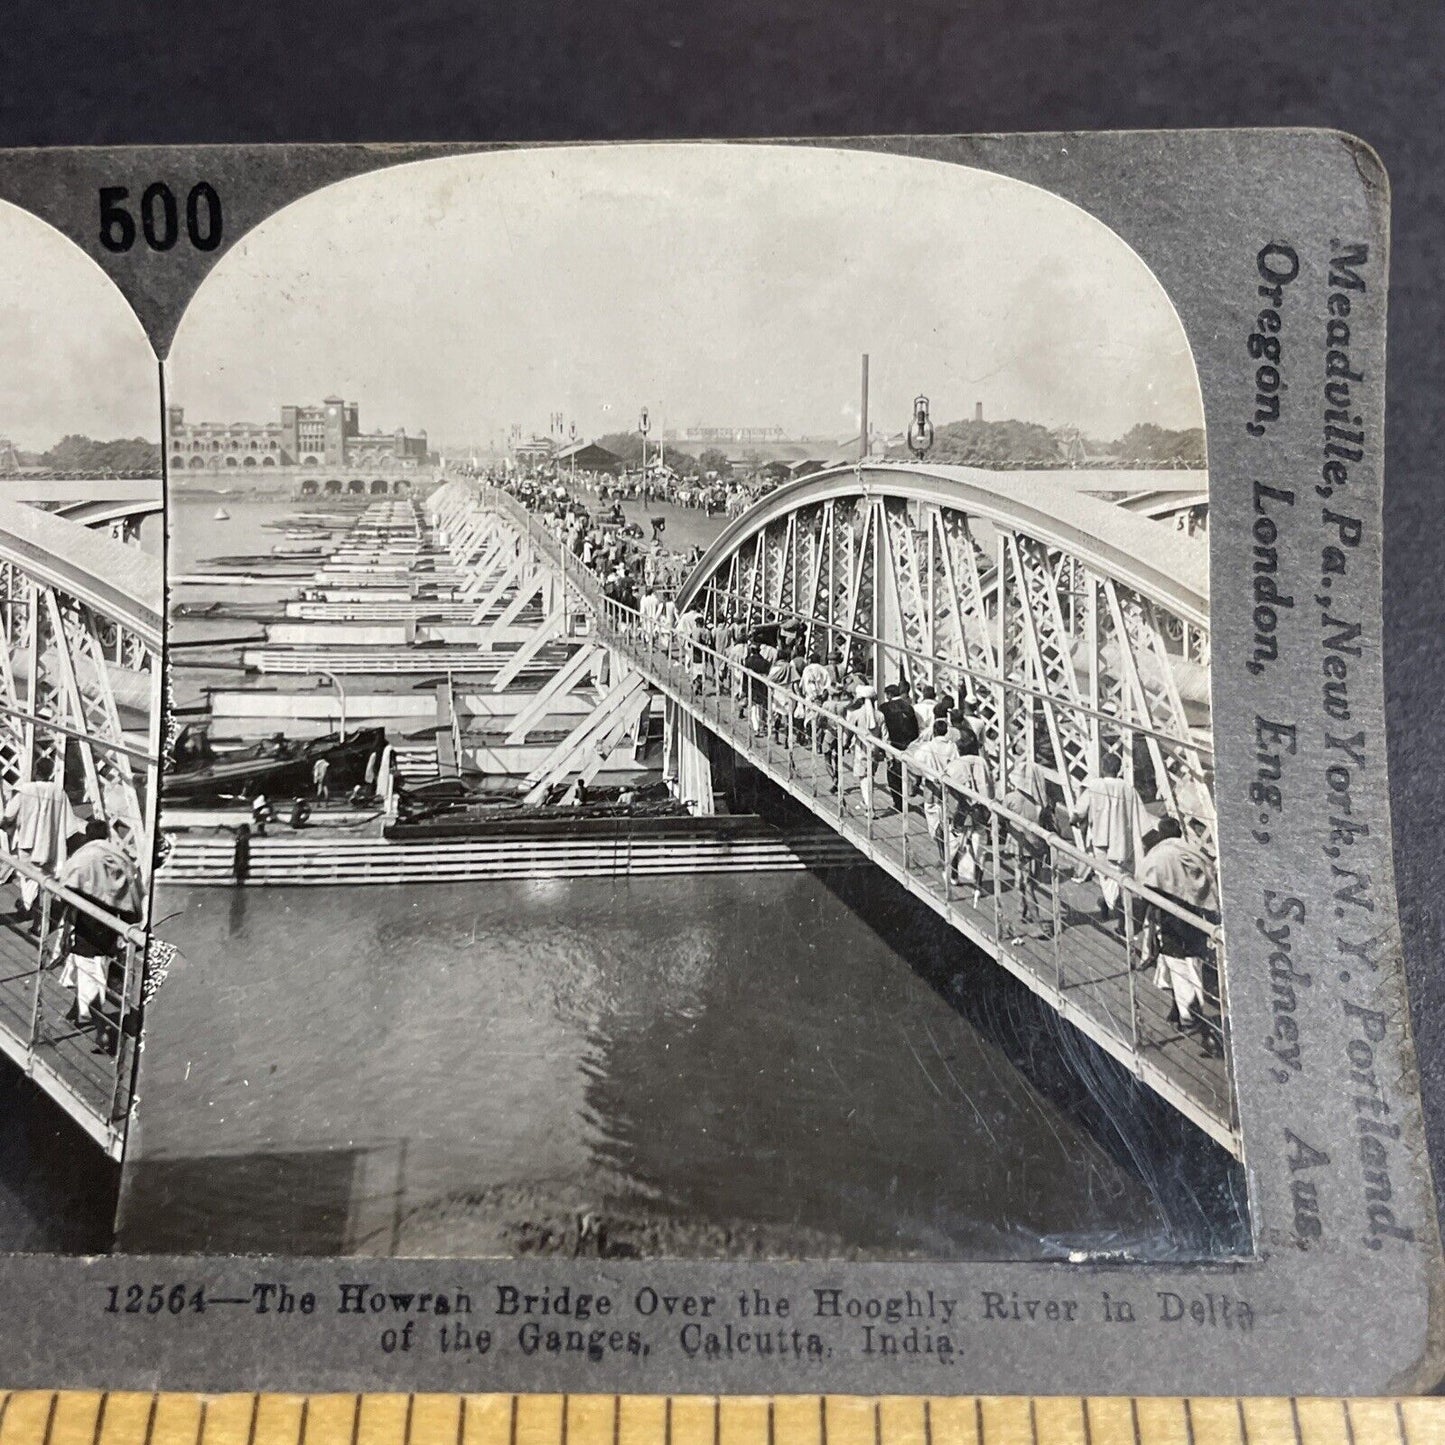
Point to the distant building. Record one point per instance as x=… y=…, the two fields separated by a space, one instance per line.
x=589 y=456
x=9 y=458
x=533 y=453
x=724 y=436
x=328 y=435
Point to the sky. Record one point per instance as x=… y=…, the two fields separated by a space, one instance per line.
x=718 y=285
x=73 y=356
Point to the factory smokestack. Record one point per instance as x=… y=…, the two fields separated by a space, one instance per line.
x=863 y=413
x=978 y=411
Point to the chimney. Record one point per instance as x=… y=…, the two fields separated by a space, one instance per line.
x=978 y=411
x=863 y=414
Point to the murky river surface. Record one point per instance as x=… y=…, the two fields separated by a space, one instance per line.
x=777 y=1064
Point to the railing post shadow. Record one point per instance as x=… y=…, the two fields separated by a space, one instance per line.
x=120 y=1049
x=996 y=868
x=44 y=901
x=1126 y=903
x=903 y=816
x=1056 y=913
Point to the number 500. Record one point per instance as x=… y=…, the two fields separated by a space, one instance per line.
x=160 y=217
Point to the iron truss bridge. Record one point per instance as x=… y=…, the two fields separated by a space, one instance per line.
x=1073 y=627
x=80 y=694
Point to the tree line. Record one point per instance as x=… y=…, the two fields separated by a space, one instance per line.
x=973 y=443
x=76 y=453
x=984 y=443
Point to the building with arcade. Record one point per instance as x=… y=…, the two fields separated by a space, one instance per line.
x=328 y=437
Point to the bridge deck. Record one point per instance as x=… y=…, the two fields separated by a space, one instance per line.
x=62 y=1059
x=1084 y=969
x=1080 y=965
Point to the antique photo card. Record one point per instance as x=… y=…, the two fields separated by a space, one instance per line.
x=772 y=771
x=346 y=599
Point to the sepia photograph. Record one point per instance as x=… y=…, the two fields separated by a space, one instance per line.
x=81 y=606
x=690 y=728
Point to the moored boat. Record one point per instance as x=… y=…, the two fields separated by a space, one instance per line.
x=278 y=767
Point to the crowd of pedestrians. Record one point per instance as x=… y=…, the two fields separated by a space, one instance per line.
x=796 y=693
x=45 y=838
x=712 y=494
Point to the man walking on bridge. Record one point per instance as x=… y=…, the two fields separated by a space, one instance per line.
x=755 y=670
x=933 y=756
x=41 y=817
x=971 y=791
x=1179 y=871
x=901 y=725
x=867 y=723
x=1113 y=813
x=103 y=874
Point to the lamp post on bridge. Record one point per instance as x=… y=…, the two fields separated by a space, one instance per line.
x=644 y=425
x=920 y=430
x=920 y=439
x=341 y=694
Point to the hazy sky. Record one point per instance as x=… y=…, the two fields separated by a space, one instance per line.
x=717 y=285
x=73 y=357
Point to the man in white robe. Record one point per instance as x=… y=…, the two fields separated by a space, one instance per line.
x=40 y=818
x=102 y=873
x=813 y=685
x=862 y=713
x=969 y=772
x=1113 y=812
x=650 y=611
x=1182 y=874
x=932 y=755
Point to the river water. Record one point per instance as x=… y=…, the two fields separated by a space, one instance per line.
x=769 y=1065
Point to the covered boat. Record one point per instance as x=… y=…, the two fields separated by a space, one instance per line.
x=278 y=767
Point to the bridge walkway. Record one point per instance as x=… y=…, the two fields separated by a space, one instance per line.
x=1090 y=972
x=90 y=1084
x=80 y=689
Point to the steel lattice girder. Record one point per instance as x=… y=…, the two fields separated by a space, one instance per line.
x=1077 y=627
x=82 y=620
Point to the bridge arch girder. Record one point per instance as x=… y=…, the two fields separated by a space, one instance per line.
x=120 y=518
x=1075 y=628
x=80 y=671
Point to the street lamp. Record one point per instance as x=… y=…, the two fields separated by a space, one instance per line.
x=340 y=692
x=572 y=436
x=644 y=425
x=920 y=430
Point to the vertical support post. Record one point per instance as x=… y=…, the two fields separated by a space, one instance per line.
x=1055 y=915
x=1091 y=644
x=32 y=684
x=1001 y=607
x=129 y=973
x=906 y=775
x=996 y=871
x=39 y=954
x=1126 y=903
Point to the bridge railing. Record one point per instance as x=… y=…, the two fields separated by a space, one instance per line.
x=1013 y=883
x=1007 y=703
x=89 y=1073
